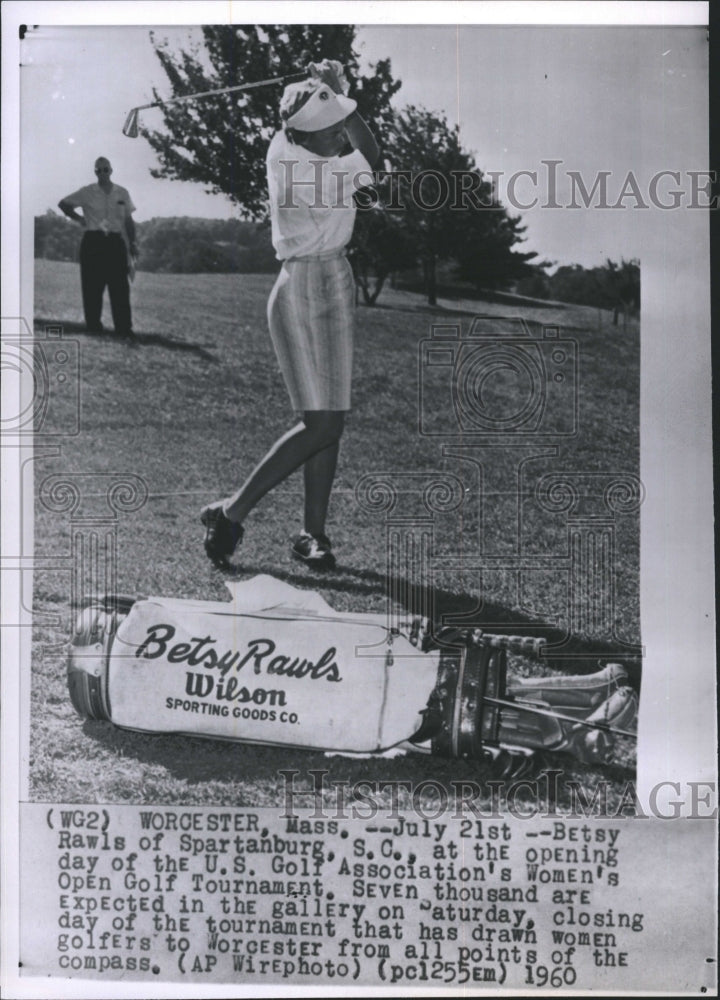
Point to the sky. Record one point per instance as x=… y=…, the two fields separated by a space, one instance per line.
x=620 y=99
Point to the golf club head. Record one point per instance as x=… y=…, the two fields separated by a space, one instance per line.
x=130 y=128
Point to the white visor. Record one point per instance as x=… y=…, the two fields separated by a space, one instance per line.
x=321 y=110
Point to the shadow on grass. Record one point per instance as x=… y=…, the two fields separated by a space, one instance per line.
x=423 y=308
x=464 y=313
x=201 y=760
x=569 y=654
x=141 y=339
x=457 y=293
x=253 y=772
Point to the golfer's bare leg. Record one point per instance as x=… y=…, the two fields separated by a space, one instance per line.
x=319 y=429
x=319 y=472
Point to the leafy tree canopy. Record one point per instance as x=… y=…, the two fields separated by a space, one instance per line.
x=448 y=206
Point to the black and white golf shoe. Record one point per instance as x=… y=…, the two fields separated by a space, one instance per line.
x=222 y=536
x=313 y=550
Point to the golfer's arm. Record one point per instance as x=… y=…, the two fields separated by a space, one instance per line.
x=362 y=138
x=70 y=211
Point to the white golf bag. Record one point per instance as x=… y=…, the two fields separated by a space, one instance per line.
x=278 y=665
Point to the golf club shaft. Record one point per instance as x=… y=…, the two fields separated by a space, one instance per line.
x=536 y=710
x=224 y=90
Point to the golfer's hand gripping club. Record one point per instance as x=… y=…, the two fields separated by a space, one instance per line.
x=331 y=72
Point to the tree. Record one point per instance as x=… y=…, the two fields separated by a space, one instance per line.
x=221 y=141
x=535 y=285
x=448 y=207
x=186 y=245
x=381 y=244
x=486 y=256
x=612 y=286
x=621 y=286
x=56 y=238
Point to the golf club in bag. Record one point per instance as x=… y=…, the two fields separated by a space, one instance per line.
x=131 y=128
x=279 y=666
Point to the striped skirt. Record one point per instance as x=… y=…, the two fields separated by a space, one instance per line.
x=311 y=317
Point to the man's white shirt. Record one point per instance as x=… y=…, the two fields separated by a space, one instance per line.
x=103 y=211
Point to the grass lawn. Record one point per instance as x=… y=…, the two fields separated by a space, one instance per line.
x=192 y=408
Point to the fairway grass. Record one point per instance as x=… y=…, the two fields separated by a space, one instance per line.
x=184 y=416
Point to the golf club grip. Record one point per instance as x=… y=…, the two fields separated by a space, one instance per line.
x=522 y=644
x=294 y=78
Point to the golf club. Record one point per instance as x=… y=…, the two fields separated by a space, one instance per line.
x=606 y=727
x=131 y=126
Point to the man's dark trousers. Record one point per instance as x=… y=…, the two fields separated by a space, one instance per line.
x=103 y=262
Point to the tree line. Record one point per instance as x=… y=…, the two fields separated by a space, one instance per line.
x=382 y=247
x=173 y=245
x=230 y=246
x=613 y=286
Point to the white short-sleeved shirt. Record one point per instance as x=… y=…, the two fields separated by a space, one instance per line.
x=103 y=211
x=311 y=198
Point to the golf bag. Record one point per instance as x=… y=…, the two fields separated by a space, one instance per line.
x=279 y=666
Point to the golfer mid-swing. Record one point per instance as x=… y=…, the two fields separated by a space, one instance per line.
x=310 y=310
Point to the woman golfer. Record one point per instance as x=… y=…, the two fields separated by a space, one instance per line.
x=310 y=310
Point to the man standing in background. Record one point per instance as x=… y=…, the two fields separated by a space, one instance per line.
x=108 y=248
